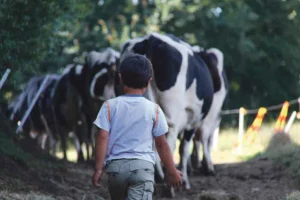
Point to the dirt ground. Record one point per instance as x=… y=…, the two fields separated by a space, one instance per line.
x=253 y=180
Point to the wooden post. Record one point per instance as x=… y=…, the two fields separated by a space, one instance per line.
x=290 y=122
x=4 y=77
x=242 y=113
x=32 y=103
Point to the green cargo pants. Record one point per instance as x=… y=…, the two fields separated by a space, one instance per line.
x=130 y=179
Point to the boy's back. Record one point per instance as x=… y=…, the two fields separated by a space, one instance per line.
x=132 y=121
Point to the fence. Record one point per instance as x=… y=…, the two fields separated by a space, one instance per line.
x=4 y=77
x=252 y=131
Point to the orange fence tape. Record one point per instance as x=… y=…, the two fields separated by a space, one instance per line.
x=252 y=131
x=281 y=120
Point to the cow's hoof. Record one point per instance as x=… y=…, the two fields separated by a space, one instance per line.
x=210 y=173
x=187 y=186
x=170 y=192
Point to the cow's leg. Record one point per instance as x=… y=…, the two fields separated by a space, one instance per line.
x=207 y=162
x=195 y=158
x=78 y=140
x=64 y=145
x=171 y=139
x=188 y=136
x=43 y=140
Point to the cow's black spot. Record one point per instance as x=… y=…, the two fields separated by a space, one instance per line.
x=166 y=61
x=100 y=84
x=197 y=70
x=125 y=47
x=188 y=134
x=140 y=47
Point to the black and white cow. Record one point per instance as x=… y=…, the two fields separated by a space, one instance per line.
x=213 y=59
x=67 y=106
x=91 y=84
x=100 y=82
x=37 y=124
x=182 y=83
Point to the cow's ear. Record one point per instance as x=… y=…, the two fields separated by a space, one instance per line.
x=141 y=47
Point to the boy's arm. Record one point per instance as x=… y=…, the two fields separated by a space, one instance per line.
x=100 y=153
x=164 y=152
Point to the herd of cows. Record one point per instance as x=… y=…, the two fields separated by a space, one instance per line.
x=189 y=84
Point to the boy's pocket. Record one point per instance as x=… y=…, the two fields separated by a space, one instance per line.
x=148 y=190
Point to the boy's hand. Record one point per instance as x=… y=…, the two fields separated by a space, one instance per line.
x=96 y=177
x=174 y=178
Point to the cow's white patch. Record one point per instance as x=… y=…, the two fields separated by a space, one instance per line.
x=43 y=140
x=109 y=56
x=68 y=69
x=109 y=91
x=193 y=107
x=186 y=156
x=33 y=134
x=197 y=48
x=78 y=69
x=97 y=75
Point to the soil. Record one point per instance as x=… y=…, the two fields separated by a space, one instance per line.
x=259 y=179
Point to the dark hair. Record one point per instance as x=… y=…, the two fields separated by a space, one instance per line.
x=136 y=71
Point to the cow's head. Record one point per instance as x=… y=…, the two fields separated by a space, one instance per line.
x=102 y=67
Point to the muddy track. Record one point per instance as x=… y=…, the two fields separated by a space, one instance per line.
x=254 y=180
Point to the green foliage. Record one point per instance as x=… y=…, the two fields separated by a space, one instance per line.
x=259 y=39
x=31 y=34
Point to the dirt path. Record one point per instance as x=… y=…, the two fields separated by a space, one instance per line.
x=254 y=180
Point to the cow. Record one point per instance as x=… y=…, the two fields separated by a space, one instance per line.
x=67 y=104
x=36 y=125
x=100 y=77
x=182 y=84
x=81 y=92
x=213 y=59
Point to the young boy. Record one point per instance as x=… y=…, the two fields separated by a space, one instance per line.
x=128 y=124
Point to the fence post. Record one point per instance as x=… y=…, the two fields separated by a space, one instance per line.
x=4 y=77
x=32 y=103
x=242 y=113
x=290 y=122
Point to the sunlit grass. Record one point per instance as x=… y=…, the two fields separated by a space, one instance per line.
x=226 y=151
x=72 y=153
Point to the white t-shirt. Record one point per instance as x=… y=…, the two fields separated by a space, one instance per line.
x=134 y=122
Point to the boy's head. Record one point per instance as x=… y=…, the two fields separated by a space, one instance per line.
x=136 y=71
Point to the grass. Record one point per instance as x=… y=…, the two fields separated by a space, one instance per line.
x=226 y=151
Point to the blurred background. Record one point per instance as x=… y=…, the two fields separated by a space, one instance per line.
x=259 y=39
